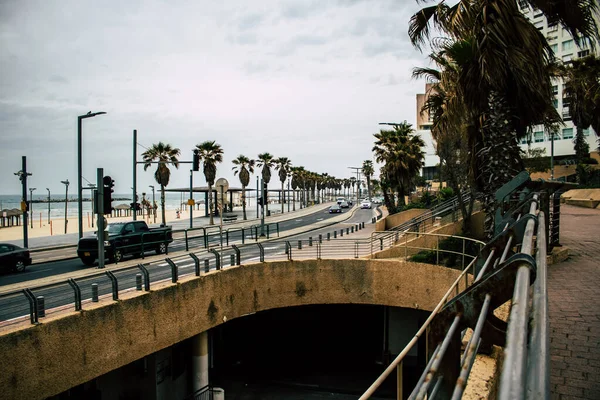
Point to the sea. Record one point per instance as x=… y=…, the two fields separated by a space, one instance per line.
x=173 y=201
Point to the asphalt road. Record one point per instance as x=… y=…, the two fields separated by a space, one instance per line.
x=62 y=294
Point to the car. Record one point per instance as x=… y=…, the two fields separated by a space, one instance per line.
x=339 y=200
x=366 y=204
x=344 y=204
x=335 y=209
x=13 y=257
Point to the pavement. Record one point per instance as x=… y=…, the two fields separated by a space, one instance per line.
x=574 y=300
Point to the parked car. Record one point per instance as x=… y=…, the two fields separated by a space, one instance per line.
x=344 y=204
x=125 y=238
x=366 y=204
x=13 y=257
x=335 y=209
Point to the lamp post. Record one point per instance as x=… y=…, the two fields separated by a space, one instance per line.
x=31 y=205
x=153 y=202
x=92 y=188
x=79 y=173
x=66 y=183
x=357 y=170
x=23 y=174
x=48 y=204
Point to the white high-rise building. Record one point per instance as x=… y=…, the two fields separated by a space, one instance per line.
x=565 y=49
x=423 y=128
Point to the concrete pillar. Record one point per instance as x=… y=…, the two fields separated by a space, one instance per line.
x=200 y=360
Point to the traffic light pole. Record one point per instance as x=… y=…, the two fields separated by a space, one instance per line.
x=135 y=174
x=24 y=199
x=262 y=210
x=101 y=227
x=191 y=197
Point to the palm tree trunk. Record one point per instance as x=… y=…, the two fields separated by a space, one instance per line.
x=282 y=196
x=210 y=204
x=162 y=204
x=244 y=201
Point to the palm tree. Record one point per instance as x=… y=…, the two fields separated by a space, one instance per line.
x=244 y=166
x=210 y=154
x=283 y=165
x=265 y=161
x=582 y=90
x=367 y=170
x=400 y=150
x=503 y=73
x=164 y=154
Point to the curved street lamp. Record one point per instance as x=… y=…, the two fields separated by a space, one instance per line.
x=31 y=205
x=66 y=183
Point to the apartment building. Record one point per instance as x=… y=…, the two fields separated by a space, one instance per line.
x=565 y=49
x=423 y=128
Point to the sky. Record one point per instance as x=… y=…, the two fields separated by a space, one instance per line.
x=308 y=80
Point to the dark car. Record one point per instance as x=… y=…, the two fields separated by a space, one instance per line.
x=335 y=209
x=13 y=258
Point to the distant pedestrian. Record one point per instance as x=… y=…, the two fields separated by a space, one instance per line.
x=177 y=214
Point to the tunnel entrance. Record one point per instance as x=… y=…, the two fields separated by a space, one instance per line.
x=338 y=349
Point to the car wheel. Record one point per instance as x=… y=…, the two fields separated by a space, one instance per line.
x=162 y=248
x=88 y=261
x=117 y=256
x=20 y=266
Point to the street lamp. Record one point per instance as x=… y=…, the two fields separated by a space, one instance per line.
x=153 y=202
x=79 y=173
x=66 y=183
x=48 y=204
x=31 y=204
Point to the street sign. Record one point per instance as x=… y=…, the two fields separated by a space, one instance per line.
x=23 y=206
x=191 y=202
x=222 y=184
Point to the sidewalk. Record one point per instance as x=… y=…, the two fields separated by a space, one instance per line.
x=574 y=306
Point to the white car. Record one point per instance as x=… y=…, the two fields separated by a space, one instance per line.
x=344 y=204
x=365 y=204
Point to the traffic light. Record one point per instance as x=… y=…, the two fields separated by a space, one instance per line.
x=196 y=161
x=108 y=184
x=260 y=201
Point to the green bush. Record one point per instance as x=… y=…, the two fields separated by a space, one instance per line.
x=425 y=256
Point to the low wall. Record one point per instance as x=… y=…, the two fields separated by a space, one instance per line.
x=68 y=350
x=396 y=219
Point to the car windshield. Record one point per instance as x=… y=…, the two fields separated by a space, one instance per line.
x=114 y=229
x=335 y=207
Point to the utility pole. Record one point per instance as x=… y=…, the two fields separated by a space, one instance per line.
x=23 y=174
x=191 y=200
x=135 y=174
x=357 y=170
x=31 y=204
x=262 y=210
x=100 y=224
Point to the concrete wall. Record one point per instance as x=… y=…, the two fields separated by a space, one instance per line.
x=396 y=219
x=47 y=359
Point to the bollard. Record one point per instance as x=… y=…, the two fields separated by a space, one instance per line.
x=310 y=241
x=352 y=230
x=334 y=234
x=138 y=282
x=232 y=259
x=95 y=292
x=320 y=238
x=41 y=307
x=328 y=236
x=347 y=231
x=299 y=244
x=342 y=232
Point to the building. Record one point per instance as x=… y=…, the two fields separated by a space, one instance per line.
x=565 y=49
x=424 y=122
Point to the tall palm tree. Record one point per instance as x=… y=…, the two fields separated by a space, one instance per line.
x=503 y=74
x=283 y=165
x=367 y=170
x=244 y=166
x=265 y=161
x=582 y=90
x=401 y=152
x=164 y=154
x=210 y=154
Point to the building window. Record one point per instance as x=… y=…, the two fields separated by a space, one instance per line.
x=566 y=114
x=567 y=133
x=555 y=103
x=537 y=14
x=525 y=139
x=567 y=45
x=583 y=53
x=551 y=37
x=554 y=47
x=552 y=27
x=554 y=89
x=523 y=5
x=538 y=136
x=567 y=58
x=586 y=132
x=539 y=25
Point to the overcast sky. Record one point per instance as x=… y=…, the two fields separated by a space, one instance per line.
x=308 y=80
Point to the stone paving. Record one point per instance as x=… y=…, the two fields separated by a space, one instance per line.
x=574 y=306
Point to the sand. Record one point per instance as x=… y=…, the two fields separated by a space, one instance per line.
x=57 y=226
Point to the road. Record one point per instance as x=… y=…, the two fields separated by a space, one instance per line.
x=61 y=294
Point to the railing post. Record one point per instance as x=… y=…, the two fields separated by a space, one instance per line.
x=41 y=307
x=187 y=247
x=277 y=229
x=232 y=260
x=174 y=270
x=437 y=251
x=288 y=250
x=237 y=254
x=243 y=236
x=318 y=251
x=261 y=249
x=355 y=249
x=320 y=238
x=227 y=237
x=196 y=264
x=115 y=285
x=77 y=293
x=217 y=258
x=463 y=256
x=380 y=243
x=206 y=265
x=399 y=381
x=205 y=235
x=146 y=277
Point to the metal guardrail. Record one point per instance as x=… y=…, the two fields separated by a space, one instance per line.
x=504 y=266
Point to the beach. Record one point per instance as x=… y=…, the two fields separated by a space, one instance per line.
x=57 y=226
